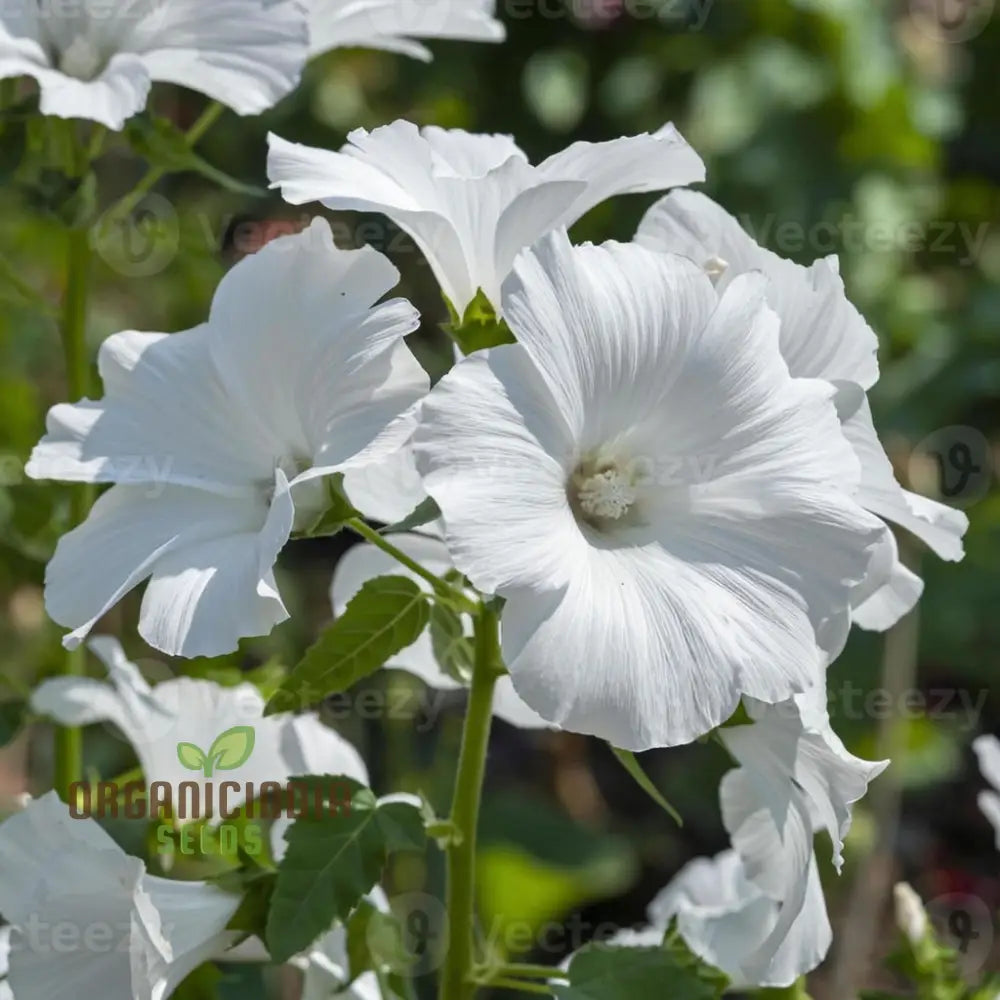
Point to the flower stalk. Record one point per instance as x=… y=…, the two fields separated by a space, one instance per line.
x=457 y=981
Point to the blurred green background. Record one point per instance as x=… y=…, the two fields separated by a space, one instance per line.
x=853 y=127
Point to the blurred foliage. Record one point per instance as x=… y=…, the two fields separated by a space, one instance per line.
x=829 y=126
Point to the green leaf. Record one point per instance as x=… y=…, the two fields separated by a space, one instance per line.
x=634 y=768
x=479 y=328
x=251 y=917
x=338 y=512
x=385 y=616
x=191 y=756
x=422 y=514
x=599 y=972
x=160 y=142
x=12 y=716
x=332 y=861
x=202 y=984
x=231 y=749
x=453 y=649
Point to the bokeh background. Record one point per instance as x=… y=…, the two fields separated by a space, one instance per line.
x=866 y=129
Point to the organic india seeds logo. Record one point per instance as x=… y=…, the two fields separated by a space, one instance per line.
x=207 y=816
x=231 y=750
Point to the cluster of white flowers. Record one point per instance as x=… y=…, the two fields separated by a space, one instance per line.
x=670 y=482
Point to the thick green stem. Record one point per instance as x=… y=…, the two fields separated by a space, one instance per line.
x=69 y=740
x=456 y=978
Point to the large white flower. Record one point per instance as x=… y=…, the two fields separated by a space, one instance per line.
x=395 y=25
x=90 y=922
x=795 y=778
x=987 y=750
x=472 y=202
x=97 y=60
x=822 y=336
x=665 y=510
x=157 y=720
x=5 y=993
x=364 y=562
x=217 y=438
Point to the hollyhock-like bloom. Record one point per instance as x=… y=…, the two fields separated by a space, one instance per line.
x=664 y=509
x=158 y=720
x=394 y=25
x=795 y=778
x=987 y=750
x=822 y=336
x=725 y=919
x=5 y=993
x=90 y=922
x=217 y=439
x=472 y=202
x=97 y=60
x=364 y=562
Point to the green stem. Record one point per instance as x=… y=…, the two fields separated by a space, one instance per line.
x=441 y=587
x=126 y=205
x=519 y=970
x=456 y=977
x=69 y=739
x=518 y=985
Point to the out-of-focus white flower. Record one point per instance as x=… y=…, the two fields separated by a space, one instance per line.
x=90 y=922
x=5 y=993
x=395 y=25
x=218 y=438
x=98 y=60
x=824 y=337
x=473 y=202
x=666 y=512
x=365 y=562
x=987 y=750
x=795 y=778
x=158 y=720
x=911 y=917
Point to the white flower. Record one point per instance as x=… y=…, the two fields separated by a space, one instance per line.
x=97 y=59
x=911 y=917
x=364 y=562
x=157 y=720
x=217 y=438
x=795 y=778
x=822 y=336
x=987 y=750
x=395 y=24
x=724 y=918
x=90 y=922
x=664 y=509
x=5 y=993
x=472 y=202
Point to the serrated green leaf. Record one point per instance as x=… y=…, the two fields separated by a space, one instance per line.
x=599 y=972
x=202 y=984
x=162 y=144
x=634 y=768
x=453 y=649
x=191 y=756
x=425 y=512
x=251 y=917
x=12 y=716
x=385 y=616
x=331 y=862
x=231 y=749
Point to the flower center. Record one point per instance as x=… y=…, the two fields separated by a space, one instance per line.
x=715 y=267
x=82 y=59
x=605 y=493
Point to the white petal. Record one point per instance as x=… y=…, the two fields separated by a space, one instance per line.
x=389 y=490
x=165 y=418
x=204 y=596
x=509 y=706
x=879 y=607
x=989 y=806
x=128 y=531
x=390 y=24
x=632 y=164
x=987 y=749
x=244 y=53
x=310 y=747
x=822 y=334
x=938 y=526
x=326 y=368
x=116 y=95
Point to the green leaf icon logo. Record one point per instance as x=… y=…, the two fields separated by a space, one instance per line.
x=190 y=756
x=230 y=750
